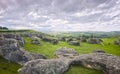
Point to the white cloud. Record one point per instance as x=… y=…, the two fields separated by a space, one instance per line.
x=61 y=15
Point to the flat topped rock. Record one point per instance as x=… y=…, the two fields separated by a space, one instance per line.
x=65 y=52
x=45 y=66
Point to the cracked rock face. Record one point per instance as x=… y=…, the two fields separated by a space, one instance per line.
x=45 y=66
x=109 y=64
x=11 y=50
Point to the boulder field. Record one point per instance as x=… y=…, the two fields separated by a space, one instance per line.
x=11 y=49
x=98 y=60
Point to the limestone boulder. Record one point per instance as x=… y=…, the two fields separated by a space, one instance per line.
x=75 y=43
x=35 y=41
x=12 y=51
x=109 y=64
x=49 y=66
x=94 y=41
x=65 y=52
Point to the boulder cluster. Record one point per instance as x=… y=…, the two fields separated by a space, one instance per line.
x=98 y=60
x=11 y=49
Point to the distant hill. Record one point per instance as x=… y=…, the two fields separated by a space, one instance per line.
x=87 y=34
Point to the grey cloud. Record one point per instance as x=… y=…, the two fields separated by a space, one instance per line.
x=15 y=13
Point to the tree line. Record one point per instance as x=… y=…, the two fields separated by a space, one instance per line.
x=3 y=28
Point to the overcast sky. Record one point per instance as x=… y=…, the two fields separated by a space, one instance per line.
x=61 y=15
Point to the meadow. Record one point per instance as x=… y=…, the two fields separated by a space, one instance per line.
x=48 y=49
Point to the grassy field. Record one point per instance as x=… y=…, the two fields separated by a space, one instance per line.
x=48 y=50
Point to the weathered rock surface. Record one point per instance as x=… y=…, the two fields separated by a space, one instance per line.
x=35 y=40
x=117 y=42
x=40 y=66
x=94 y=40
x=65 y=52
x=11 y=50
x=75 y=43
x=109 y=64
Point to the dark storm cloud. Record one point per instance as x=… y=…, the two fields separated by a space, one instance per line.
x=55 y=14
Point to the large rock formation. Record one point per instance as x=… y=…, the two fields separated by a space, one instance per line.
x=40 y=66
x=109 y=64
x=66 y=52
x=50 y=66
x=11 y=50
x=94 y=40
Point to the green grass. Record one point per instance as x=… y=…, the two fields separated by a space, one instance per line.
x=13 y=31
x=82 y=70
x=48 y=50
x=7 y=67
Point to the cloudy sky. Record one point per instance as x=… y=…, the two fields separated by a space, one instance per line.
x=61 y=15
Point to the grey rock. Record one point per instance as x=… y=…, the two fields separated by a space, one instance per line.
x=49 y=66
x=94 y=41
x=75 y=43
x=65 y=52
x=109 y=64
x=11 y=50
x=35 y=40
